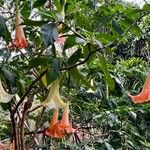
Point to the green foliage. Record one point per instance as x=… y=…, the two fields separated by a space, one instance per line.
x=104 y=57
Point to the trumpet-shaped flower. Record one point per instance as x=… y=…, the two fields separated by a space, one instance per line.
x=53 y=129
x=54 y=99
x=144 y=96
x=12 y=145
x=20 y=40
x=64 y=124
x=4 y=96
x=2 y=146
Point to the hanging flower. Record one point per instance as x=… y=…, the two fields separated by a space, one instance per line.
x=12 y=145
x=64 y=124
x=4 y=96
x=53 y=129
x=20 y=40
x=54 y=99
x=2 y=146
x=144 y=96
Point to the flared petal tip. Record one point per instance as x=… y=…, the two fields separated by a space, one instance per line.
x=70 y=129
x=139 y=99
x=6 y=98
x=18 y=44
x=53 y=131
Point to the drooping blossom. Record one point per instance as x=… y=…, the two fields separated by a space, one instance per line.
x=54 y=99
x=53 y=130
x=64 y=124
x=12 y=145
x=4 y=96
x=20 y=40
x=144 y=95
x=58 y=129
x=2 y=146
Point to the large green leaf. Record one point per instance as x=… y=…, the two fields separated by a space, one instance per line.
x=117 y=27
x=3 y=30
x=49 y=33
x=38 y=61
x=26 y=10
x=146 y=7
x=74 y=57
x=79 y=78
x=39 y=3
x=10 y=79
x=70 y=42
x=29 y=22
x=53 y=72
x=108 y=80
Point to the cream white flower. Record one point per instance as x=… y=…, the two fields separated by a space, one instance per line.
x=4 y=96
x=54 y=99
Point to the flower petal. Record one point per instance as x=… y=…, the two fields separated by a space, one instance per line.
x=53 y=129
x=64 y=123
x=4 y=96
x=54 y=99
x=144 y=96
x=20 y=40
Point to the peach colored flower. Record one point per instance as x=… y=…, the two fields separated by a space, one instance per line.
x=53 y=129
x=64 y=124
x=20 y=40
x=12 y=145
x=144 y=96
x=58 y=129
x=2 y=146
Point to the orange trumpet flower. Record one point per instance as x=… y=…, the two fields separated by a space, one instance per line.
x=144 y=96
x=64 y=124
x=2 y=146
x=53 y=129
x=20 y=40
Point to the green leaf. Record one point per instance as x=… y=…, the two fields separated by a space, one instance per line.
x=38 y=61
x=106 y=19
x=2 y=26
x=74 y=57
x=34 y=23
x=70 y=42
x=79 y=78
x=3 y=30
x=117 y=27
x=8 y=75
x=53 y=72
x=49 y=33
x=26 y=10
x=108 y=79
x=10 y=79
x=39 y=3
x=146 y=7
x=136 y=30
